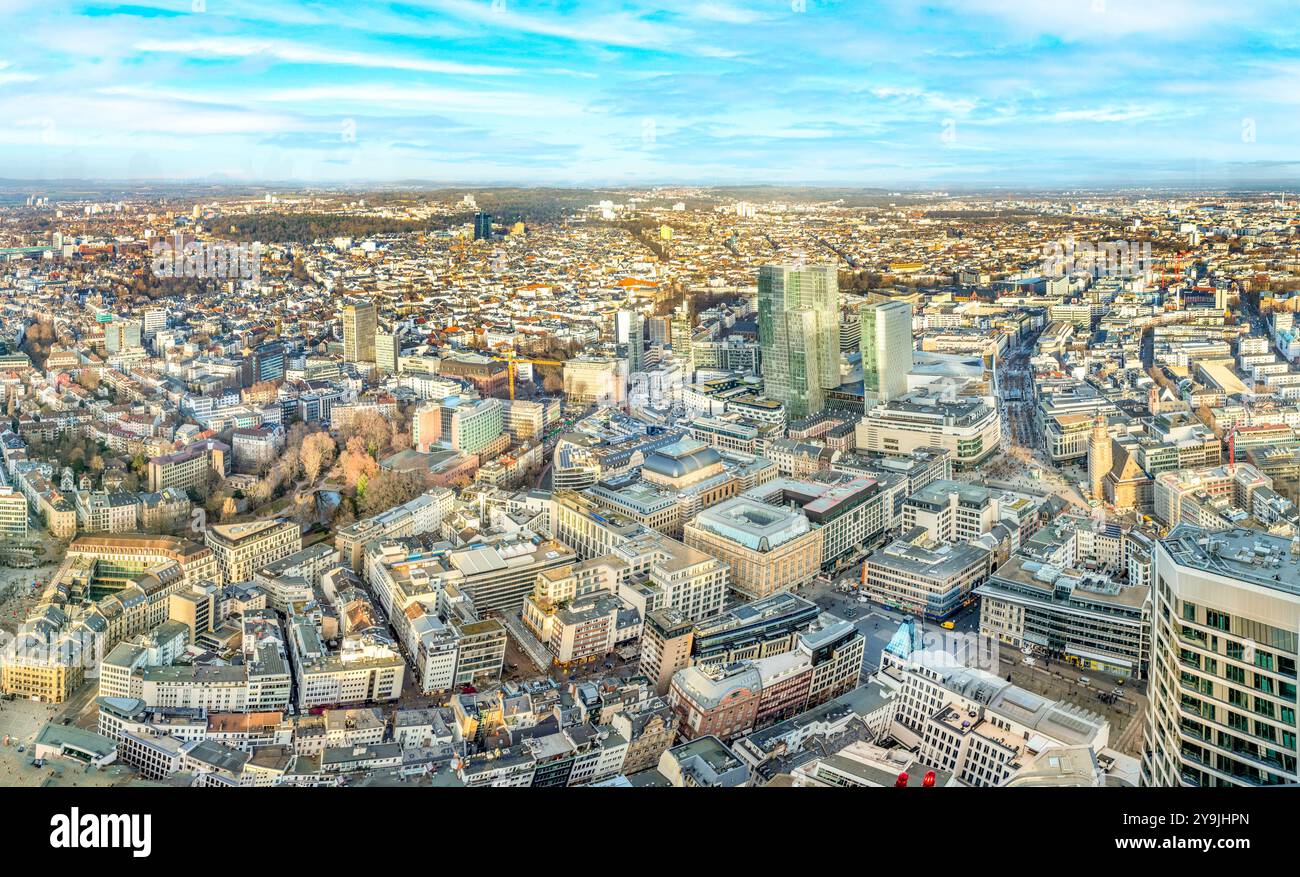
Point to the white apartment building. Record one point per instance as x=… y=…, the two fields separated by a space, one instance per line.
x=242 y=549
x=975 y=725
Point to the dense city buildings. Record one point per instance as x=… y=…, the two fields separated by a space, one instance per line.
x=603 y=500
x=726 y=395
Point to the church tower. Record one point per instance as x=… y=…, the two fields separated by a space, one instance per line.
x=1099 y=458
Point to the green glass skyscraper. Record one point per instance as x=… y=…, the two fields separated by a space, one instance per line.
x=886 y=345
x=799 y=333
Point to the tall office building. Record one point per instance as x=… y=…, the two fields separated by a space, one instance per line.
x=630 y=336
x=798 y=331
x=885 y=338
x=268 y=361
x=121 y=335
x=359 y=322
x=680 y=326
x=387 y=347
x=13 y=514
x=1222 y=691
x=1099 y=456
x=660 y=331
x=482 y=226
x=462 y=424
x=155 y=320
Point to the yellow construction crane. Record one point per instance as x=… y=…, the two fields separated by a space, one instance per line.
x=510 y=359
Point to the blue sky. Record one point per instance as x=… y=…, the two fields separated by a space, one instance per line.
x=947 y=93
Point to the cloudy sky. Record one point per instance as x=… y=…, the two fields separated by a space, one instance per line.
x=946 y=93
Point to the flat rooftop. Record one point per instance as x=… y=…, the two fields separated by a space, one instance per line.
x=1046 y=580
x=1248 y=555
x=756 y=525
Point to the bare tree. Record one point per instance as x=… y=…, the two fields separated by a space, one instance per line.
x=387 y=489
x=375 y=431
x=355 y=463
x=316 y=453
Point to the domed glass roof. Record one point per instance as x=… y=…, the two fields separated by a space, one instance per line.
x=681 y=458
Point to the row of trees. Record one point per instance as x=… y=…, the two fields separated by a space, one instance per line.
x=145 y=285
x=308 y=227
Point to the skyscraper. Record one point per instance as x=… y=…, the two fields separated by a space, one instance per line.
x=798 y=331
x=680 y=330
x=155 y=319
x=885 y=338
x=268 y=361
x=359 y=322
x=482 y=226
x=387 y=346
x=659 y=330
x=630 y=335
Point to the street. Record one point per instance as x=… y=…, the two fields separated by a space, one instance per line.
x=878 y=623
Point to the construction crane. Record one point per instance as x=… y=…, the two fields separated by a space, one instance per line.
x=1232 y=432
x=1165 y=279
x=510 y=360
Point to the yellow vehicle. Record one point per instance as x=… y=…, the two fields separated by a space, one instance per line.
x=947 y=625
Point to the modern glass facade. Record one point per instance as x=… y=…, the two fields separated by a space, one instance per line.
x=799 y=335
x=886 y=343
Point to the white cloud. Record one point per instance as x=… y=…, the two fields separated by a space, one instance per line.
x=422 y=98
x=295 y=53
x=617 y=29
x=1104 y=114
x=723 y=12
x=1091 y=19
